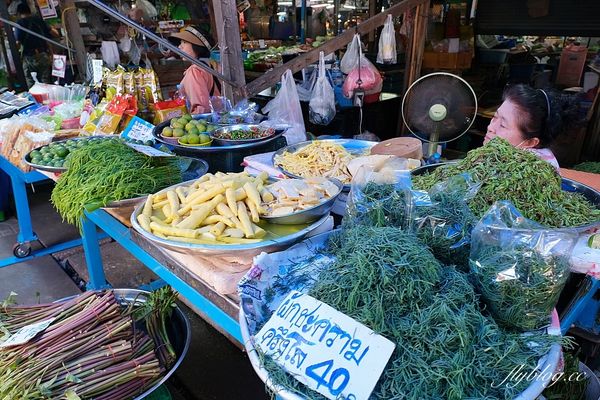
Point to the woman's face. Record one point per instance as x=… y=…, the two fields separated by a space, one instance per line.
x=187 y=48
x=504 y=125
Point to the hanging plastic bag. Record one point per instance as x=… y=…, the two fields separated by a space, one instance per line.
x=149 y=11
x=284 y=110
x=387 y=43
x=363 y=75
x=321 y=108
x=519 y=266
x=379 y=193
x=305 y=88
x=353 y=51
x=442 y=219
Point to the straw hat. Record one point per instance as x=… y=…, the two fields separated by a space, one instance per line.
x=193 y=36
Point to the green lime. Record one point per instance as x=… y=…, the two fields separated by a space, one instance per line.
x=36 y=160
x=44 y=150
x=47 y=157
x=193 y=131
x=594 y=241
x=193 y=139
x=35 y=154
x=173 y=122
x=183 y=139
x=187 y=117
x=167 y=132
x=201 y=128
x=71 y=142
x=178 y=132
x=177 y=125
x=204 y=138
x=189 y=126
x=62 y=152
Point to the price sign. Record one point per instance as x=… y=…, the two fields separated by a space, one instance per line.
x=26 y=333
x=149 y=150
x=59 y=65
x=324 y=349
x=97 y=70
x=138 y=129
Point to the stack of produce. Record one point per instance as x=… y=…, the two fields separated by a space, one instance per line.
x=109 y=170
x=446 y=347
x=188 y=130
x=519 y=176
x=215 y=209
x=92 y=349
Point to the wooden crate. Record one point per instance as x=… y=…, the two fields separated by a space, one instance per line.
x=434 y=60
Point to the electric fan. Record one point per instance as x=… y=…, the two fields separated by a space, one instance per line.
x=439 y=108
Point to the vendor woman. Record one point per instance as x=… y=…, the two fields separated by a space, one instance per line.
x=197 y=85
x=532 y=119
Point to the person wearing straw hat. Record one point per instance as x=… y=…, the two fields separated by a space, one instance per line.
x=532 y=119
x=197 y=85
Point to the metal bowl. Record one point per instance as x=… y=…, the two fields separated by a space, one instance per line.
x=229 y=142
x=199 y=150
x=243 y=250
x=309 y=214
x=178 y=330
x=353 y=146
x=568 y=185
x=191 y=168
x=27 y=157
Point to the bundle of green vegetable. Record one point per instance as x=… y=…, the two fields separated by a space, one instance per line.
x=109 y=170
x=376 y=204
x=92 y=349
x=588 y=166
x=519 y=176
x=520 y=286
x=445 y=347
x=572 y=384
x=443 y=221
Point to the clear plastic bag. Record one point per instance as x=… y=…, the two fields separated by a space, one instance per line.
x=442 y=220
x=305 y=89
x=322 y=103
x=379 y=195
x=519 y=267
x=353 y=52
x=284 y=110
x=387 y=43
x=149 y=11
x=364 y=76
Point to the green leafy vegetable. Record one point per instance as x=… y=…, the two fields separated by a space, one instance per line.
x=109 y=170
x=519 y=176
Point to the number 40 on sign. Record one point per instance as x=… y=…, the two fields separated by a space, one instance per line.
x=323 y=348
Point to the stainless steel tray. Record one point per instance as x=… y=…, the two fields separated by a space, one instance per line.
x=27 y=157
x=232 y=142
x=353 y=146
x=310 y=214
x=243 y=250
x=199 y=150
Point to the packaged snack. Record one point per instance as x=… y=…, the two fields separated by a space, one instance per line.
x=166 y=110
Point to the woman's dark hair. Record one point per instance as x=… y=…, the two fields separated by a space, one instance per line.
x=545 y=113
x=202 y=51
x=23 y=9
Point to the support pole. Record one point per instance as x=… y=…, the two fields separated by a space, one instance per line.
x=73 y=32
x=21 y=84
x=230 y=45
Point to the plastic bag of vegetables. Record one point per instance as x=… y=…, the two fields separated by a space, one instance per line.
x=519 y=267
x=379 y=196
x=442 y=220
x=321 y=109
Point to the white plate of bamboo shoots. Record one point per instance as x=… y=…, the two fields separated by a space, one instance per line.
x=216 y=214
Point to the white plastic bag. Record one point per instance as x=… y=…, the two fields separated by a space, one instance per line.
x=387 y=43
x=305 y=88
x=322 y=103
x=284 y=110
x=351 y=56
x=149 y=10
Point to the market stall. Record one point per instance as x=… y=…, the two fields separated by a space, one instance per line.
x=279 y=239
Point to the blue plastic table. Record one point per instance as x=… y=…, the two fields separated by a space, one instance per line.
x=218 y=310
x=22 y=250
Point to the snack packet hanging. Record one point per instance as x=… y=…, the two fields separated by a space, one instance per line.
x=114 y=83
